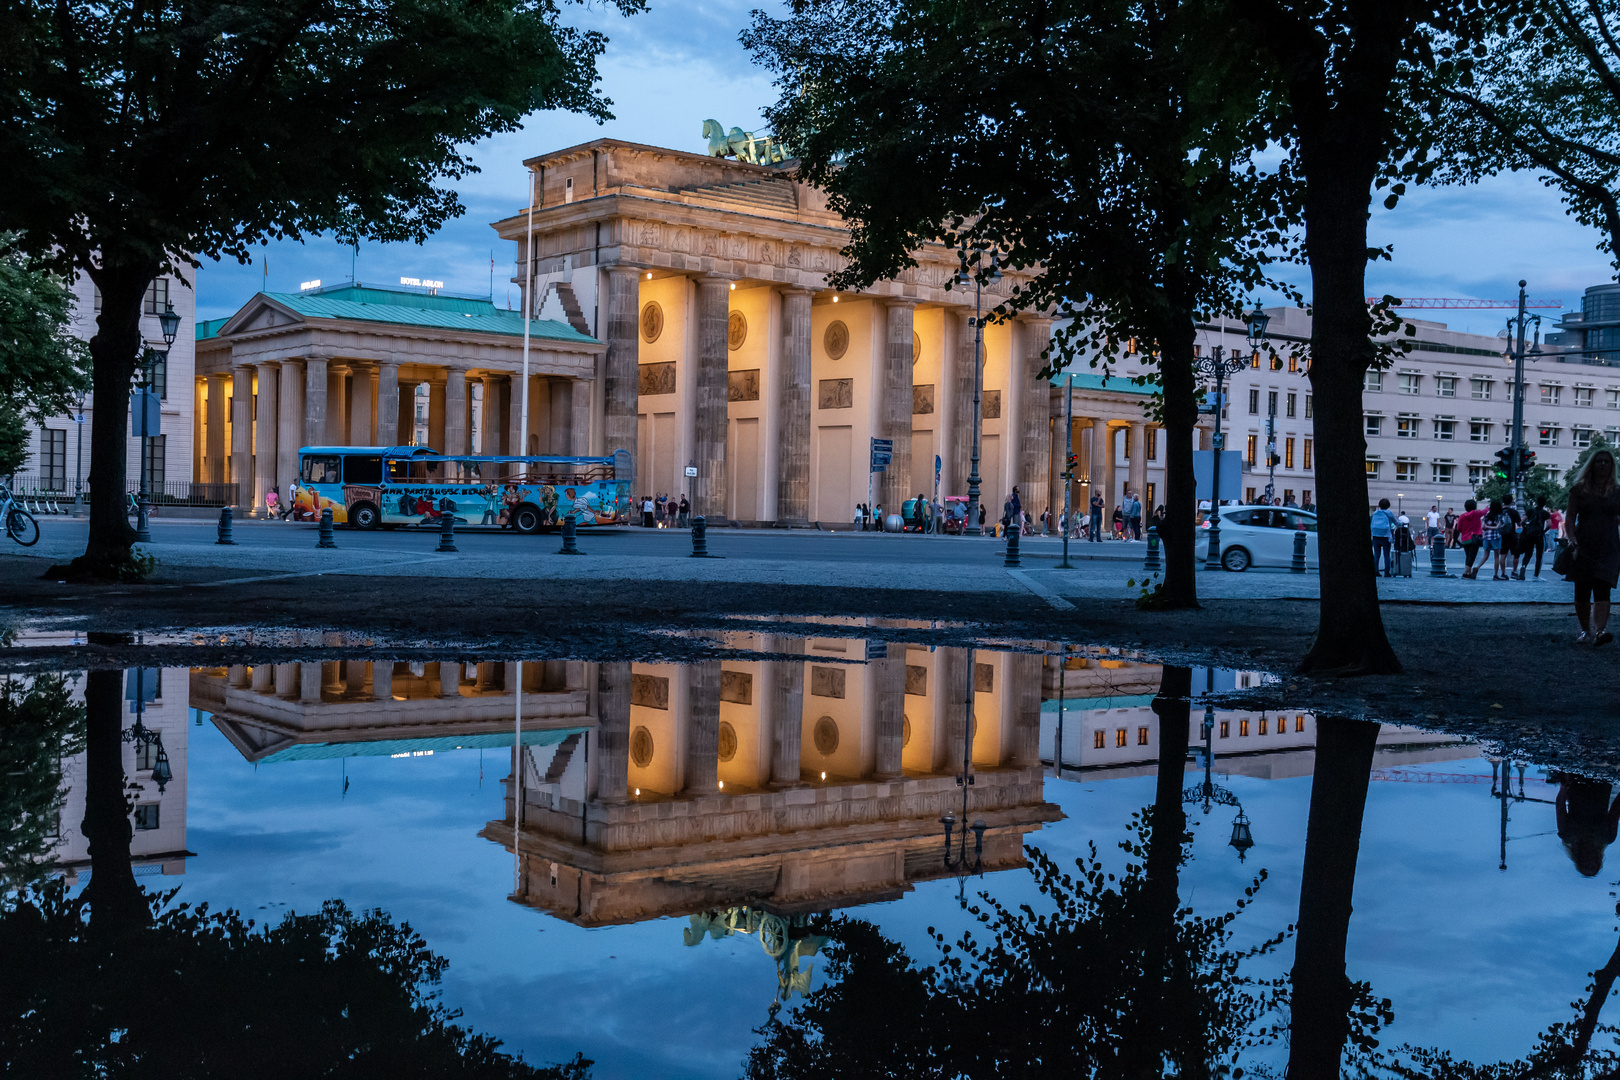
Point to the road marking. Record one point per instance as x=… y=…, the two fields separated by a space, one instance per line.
x=1040 y=590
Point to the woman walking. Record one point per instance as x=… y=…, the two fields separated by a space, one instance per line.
x=1492 y=526
x=1533 y=537
x=1593 y=522
x=1470 y=534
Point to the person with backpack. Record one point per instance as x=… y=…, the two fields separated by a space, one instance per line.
x=1470 y=534
x=1593 y=523
x=1533 y=537
x=1383 y=534
x=1508 y=553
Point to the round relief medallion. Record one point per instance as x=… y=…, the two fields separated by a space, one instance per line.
x=916 y=346
x=736 y=330
x=826 y=736
x=652 y=321
x=836 y=340
x=905 y=734
x=728 y=741
x=641 y=747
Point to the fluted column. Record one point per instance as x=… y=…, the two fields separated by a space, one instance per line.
x=449 y=678
x=793 y=433
x=961 y=373
x=291 y=424
x=387 y=403
x=455 y=412
x=265 y=458
x=1102 y=468
x=621 y=369
x=709 y=405
x=517 y=438
x=951 y=684
x=579 y=417
x=491 y=419
x=309 y=682
x=1035 y=443
x=890 y=719
x=242 y=433
x=263 y=678
x=286 y=680
x=382 y=680
x=1054 y=465
x=703 y=729
x=214 y=446
x=613 y=732
x=1138 y=468
x=314 y=402
x=560 y=415
x=787 y=712
x=894 y=417
x=1023 y=673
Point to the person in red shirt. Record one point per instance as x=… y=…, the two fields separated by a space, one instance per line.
x=1471 y=533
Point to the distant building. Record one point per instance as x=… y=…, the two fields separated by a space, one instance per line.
x=1592 y=334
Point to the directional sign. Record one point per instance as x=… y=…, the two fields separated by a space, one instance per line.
x=882 y=454
x=936 y=468
x=145 y=414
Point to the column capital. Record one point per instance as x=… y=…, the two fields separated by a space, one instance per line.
x=796 y=290
x=897 y=301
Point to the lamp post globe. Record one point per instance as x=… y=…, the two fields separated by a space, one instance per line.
x=169 y=321
x=1257 y=321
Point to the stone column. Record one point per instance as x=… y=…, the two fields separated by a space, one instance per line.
x=703 y=729
x=435 y=425
x=890 y=699
x=894 y=413
x=560 y=415
x=579 y=417
x=709 y=399
x=621 y=378
x=1138 y=468
x=382 y=680
x=265 y=457
x=242 y=435
x=286 y=676
x=1102 y=468
x=492 y=414
x=449 y=678
x=264 y=678
x=1035 y=449
x=314 y=402
x=961 y=372
x=787 y=713
x=793 y=429
x=309 y=682
x=517 y=435
x=1055 y=465
x=455 y=412
x=291 y=433
x=337 y=415
x=388 y=404
x=214 y=447
x=1024 y=679
x=613 y=732
x=360 y=414
x=951 y=684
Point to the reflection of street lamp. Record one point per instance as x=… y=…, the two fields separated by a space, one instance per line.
x=978 y=275
x=965 y=781
x=141 y=735
x=1210 y=792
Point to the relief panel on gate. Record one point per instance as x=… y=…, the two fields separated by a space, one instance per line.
x=836 y=394
x=742 y=385
x=922 y=400
x=992 y=405
x=657 y=379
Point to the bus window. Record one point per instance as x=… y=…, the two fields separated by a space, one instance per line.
x=321 y=469
x=397 y=469
x=359 y=469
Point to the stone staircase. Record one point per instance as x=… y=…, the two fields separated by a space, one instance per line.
x=778 y=196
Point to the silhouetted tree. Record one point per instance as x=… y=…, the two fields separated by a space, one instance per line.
x=40 y=724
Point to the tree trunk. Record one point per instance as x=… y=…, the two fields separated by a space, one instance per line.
x=114 y=352
x=116 y=902
x=1321 y=990
x=1179 y=531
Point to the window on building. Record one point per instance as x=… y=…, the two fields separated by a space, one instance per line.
x=1612 y=395
x=1249 y=450
x=146 y=754
x=1299 y=723
x=1580 y=438
x=1119 y=737
x=96 y=299
x=1406 y=471
x=1373 y=465
x=1410 y=384
x=146 y=816
x=1254 y=401
x=1612 y=436
x=1226 y=729
x=1373 y=382
x=1152 y=445
x=1288 y=496
x=1406 y=426
x=1479 y=431
x=1288 y=453
x=1445 y=428
x=1583 y=396
x=1100 y=739
x=1243 y=727
x=157 y=297
x=1308 y=450
x=1443 y=472
x=1248 y=495
x=1478 y=473
x=1547 y=436
x=1151 y=491
x=1374 y=425
x=1550 y=393
x=1254 y=360
x=160 y=374
x=53 y=458
x=156 y=461
x=1263 y=726
x=1271 y=403
x=1445 y=386
x=1141 y=736
x=1305 y=497
x=1307 y=406
x=1293 y=365
x=1481 y=388
x=1290 y=405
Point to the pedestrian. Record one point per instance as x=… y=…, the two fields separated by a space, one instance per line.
x=1431 y=522
x=1533 y=537
x=1063 y=523
x=1096 y=517
x=647 y=508
x=271 y=499
x=877 y=518
x=1383 y=533
x=292 y=500
x=660 y=505
x=1117 y=522
x=1587 y=820
x=1449 y=523
x=1017 y=507
x=1492 y=526
x=981 y=517
x=686 y=510
x=1555 y=522
x=1508 y=553
x=1471 y=535
x=1593 y=523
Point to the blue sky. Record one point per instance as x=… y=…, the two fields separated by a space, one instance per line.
x=675 y=66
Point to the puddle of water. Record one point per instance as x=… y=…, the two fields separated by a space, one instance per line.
x=681 y=852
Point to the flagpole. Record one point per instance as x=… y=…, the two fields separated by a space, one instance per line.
x=522 y=440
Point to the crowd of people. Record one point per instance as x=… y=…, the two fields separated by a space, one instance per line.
x=665 y=511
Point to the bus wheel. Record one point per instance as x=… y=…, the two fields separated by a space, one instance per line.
x=527 y=519
x=364 y=516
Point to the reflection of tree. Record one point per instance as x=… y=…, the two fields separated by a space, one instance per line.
x=40 y=724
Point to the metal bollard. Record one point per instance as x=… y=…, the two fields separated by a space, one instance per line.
x=225 y=536
x=327 y=540
x=1012 y=547
x=1437 y=557
x=700 y=538
x=447 y=532
x=1298 y=566
x=1151 y=564
x=570 y=533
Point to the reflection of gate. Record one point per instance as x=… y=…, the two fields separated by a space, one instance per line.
x=785 y=939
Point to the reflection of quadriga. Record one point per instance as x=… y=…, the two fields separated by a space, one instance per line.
x=785 y=939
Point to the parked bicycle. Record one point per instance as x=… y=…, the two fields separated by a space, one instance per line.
x=20 y=524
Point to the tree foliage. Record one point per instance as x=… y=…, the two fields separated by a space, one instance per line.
x=44 y=366
x=40 y=725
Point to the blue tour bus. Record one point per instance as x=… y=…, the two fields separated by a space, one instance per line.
x=370 y=487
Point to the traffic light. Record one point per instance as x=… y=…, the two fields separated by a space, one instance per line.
x=1503 y=457
x=1527 y=461
x=1273 y=459
x=1074 y=463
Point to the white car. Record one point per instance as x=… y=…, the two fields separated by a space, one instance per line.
x=1260 y=536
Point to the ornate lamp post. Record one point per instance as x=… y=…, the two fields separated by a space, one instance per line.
x=979 y=274
x=964 y=781
x=1220 y=366
x=169 y=323
x=1208 y=793
x=1516 y=352
x=141 y=735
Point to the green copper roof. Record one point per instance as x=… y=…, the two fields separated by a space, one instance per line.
x=415 y=747
x=1087 y=380
x=207 y=328
x=369 y=304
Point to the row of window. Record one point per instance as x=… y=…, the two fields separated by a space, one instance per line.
x=1251 y=453
x=1443 y=472
x=1481 y=388
x=1445 y=429
x=1100 y=736
x=1289 y=406
x=53 y=458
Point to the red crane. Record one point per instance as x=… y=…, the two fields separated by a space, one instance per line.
x=1457 y=302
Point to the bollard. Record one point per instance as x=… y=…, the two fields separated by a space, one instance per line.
x=570 y=533
x=700 y=538
x=225 y=536
x=1437 y=557
x=1151 y=564
x=1012 y=547
x=327 y=540
x=447 y=531
x=1298 y=566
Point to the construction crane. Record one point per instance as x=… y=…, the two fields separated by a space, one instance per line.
x=1457 y=302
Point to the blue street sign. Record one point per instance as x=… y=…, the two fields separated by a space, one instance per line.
x=145 y=414
x=936 y=468
x=882 y=454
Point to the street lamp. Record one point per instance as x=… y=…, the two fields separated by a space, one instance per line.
x=141 y=735
x=1220 y=366
x=965 y=781
x=1210 y=792
x=78 y=458
x=169 y=325
x=979 y=275
x=1516 y=353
